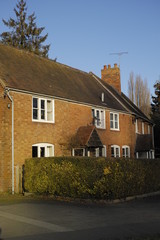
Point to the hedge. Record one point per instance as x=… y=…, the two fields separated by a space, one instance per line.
x=97 y=178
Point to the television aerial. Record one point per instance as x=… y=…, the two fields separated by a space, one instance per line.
x=119 y=54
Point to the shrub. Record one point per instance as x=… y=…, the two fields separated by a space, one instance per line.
x=98 y=178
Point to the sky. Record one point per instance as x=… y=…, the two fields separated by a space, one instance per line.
x=84 y=33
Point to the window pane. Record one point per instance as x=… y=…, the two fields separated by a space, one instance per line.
x=42 y=151
x=35 y=108
x=117 y=152
x=43 y=114
x=49 y=111
x=127 y=152
x=116 y=125
x=111 y=120
x=112 y=151
x=35 y=102
x=123 y=152
x=78 y=152
x=34 y=151
x=116 y=120
x=49 y=151
x=93 y=114
x=97 y=113
x=102 y=119
x=111 y=124
x=35 y=114
x=42 y=104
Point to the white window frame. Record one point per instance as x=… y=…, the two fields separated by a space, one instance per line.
x=104 y=151
x=73 y=151
x=115 y=147
x=114 y=121
x=46 y=110
x=44 y=145
x=99 y=121
x=142 y=127
x=126 y=147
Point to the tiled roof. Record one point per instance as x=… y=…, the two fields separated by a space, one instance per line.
x=24 y=71
x=88 y=136
x=143 y=143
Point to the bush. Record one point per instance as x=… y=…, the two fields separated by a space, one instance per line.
x=97 y=178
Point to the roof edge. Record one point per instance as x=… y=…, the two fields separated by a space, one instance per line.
x=98 y=80
x=62 y=99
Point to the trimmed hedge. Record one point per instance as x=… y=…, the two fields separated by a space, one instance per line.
x=97 y=178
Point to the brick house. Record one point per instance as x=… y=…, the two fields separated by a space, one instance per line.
x=50 y=109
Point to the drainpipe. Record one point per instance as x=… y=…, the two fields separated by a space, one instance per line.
x=11 y=99
x=153 y=155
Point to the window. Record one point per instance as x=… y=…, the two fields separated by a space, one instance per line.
x=78 y=152
x=43 y=110
x=115 y=151
x=99 y=118
x=42 y=150
x=114 y=121
x=142 y=127
x=125 y=151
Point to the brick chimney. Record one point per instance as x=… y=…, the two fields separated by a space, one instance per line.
x=112 y=76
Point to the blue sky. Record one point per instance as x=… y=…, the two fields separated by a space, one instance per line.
x=83 y=33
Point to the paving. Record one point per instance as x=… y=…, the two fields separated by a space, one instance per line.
x=48 y=219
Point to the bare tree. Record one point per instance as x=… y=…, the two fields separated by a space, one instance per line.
x=131 y=87
x=139 y=93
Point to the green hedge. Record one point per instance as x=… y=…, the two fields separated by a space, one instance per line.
x=97 y=178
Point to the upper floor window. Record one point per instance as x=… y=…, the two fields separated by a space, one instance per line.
x=43 y=110
x=137 y=130
x=149 y=129
x=115 y=151
x=99 y=118
x=114 y=121
x=125 y=151
x=142 y=127
x=43 y=150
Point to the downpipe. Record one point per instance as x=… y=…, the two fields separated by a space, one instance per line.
x=12 y=101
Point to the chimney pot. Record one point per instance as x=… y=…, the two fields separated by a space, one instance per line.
x=105 y=67
x=109 y=66
x=115 y=65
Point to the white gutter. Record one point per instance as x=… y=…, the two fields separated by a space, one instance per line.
x=11 y=99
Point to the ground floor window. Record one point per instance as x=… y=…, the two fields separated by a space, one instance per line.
x=90 y=152
x=115 y=151
x=78 y=152
x=147 y=154
x=42 y=150
x=125 y=151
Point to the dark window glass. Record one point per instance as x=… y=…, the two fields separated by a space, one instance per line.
x=112 y=151
x=35 y=102
x=35 y=114
x=42 y=104
x=78 y=152
x=42 y=152
x=34 y=151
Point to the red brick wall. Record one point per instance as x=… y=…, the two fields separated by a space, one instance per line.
x=112 y=76
x=68 y=118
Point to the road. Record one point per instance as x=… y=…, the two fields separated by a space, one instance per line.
x=48 y=219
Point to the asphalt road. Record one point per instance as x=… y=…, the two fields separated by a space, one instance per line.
x=46 y=219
